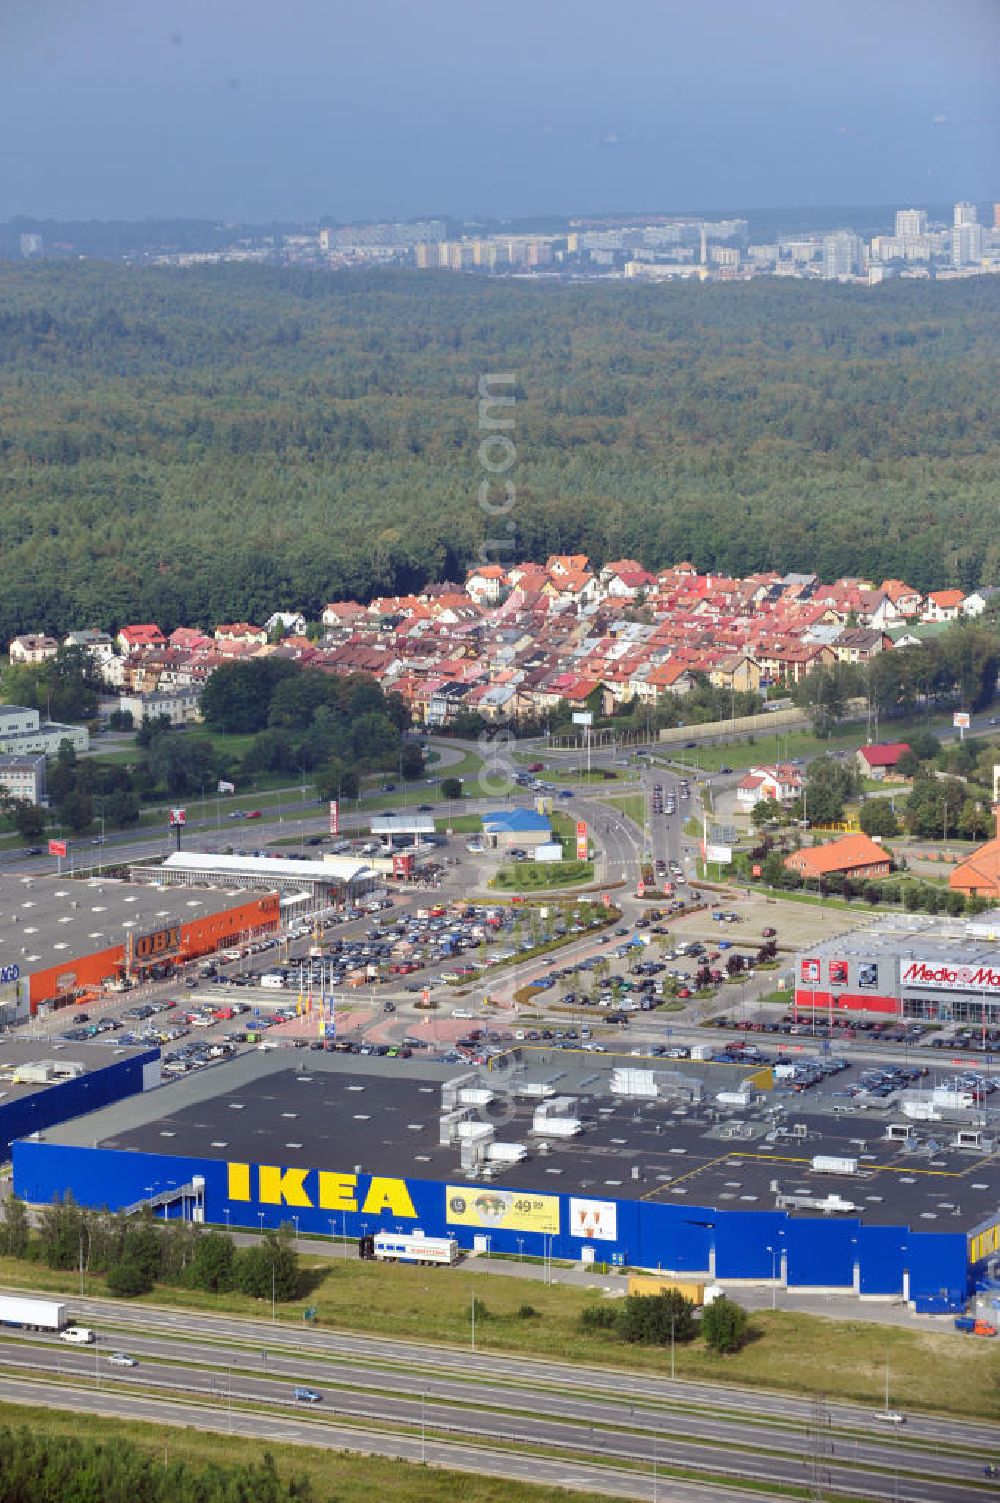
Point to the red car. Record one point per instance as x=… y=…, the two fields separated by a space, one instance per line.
x=254 y=814
x=536 y=766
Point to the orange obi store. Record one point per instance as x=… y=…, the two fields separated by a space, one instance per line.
x=60 y=937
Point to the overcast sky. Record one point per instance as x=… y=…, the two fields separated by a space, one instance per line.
x=294 y=109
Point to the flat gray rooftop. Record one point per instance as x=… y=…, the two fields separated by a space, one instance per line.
x=906 y=936
x=67 y=1058
x=48 y=921
x=315 y=1110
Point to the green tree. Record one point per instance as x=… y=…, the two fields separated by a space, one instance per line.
x=29 y=819
x=270 y=1264
x=656 y=1319
x=213 y=1265
x=127 y=1279
x=877 y=817
x=14 y=1229
x=724 y=1325
x=451 y=788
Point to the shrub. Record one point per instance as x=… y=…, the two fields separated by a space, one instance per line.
x=527 y=1312
x=128 y=1279
x=724 y=1325
x=598 y=1318
x=656 y=1319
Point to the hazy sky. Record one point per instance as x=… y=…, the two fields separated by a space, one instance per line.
x=291 y=109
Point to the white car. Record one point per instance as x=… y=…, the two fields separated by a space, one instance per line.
x=121 y=1359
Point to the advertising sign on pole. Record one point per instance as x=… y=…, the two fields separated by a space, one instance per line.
x=334 y=816
x=178 y=817
x=57 y=847
x=581 y=840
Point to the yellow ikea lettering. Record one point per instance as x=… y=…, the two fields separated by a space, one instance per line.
x=336 y=1191
x=238 y=1181
x=282 y=1186
x=388 y=1195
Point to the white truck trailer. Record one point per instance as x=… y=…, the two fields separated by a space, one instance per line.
x=403 y=1247
x=31 y=1314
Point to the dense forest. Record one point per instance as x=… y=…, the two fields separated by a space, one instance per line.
x=211 y=444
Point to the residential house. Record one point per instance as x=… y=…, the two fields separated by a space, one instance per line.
x=141 y=637
x=241 y=634
x=291 y=623
x=32 y=649
x=343 y=613
x=179 y=706
x=485 y=585
x=943 y=605
x=97 y=643
x=780 y=782
x=880 y=760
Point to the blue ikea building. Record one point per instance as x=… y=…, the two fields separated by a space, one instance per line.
x=42 y=1084
x=338 y=1149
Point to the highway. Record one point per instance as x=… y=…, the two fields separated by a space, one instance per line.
x=474 y=1400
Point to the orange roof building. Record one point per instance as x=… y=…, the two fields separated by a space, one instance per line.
x=979 y=874
x=851 y=856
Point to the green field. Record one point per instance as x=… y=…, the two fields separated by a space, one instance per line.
x=931 y=1368
x=460 y=824
x=781 y=746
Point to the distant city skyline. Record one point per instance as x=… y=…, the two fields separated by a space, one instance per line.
x=387 y=110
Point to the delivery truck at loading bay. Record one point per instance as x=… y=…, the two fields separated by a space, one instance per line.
x=32 y=1314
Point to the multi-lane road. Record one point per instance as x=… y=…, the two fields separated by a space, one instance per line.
x=580 y=1426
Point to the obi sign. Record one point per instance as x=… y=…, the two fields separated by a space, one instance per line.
x=963 y=978
x=154 y=946
x=581 y=840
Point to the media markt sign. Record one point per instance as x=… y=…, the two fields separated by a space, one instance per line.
x=957 y=978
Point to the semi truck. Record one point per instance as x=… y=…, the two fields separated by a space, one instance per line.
x=403 y=1247
x=32 y=1314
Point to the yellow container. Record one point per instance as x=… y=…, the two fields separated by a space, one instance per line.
x=641 y=1283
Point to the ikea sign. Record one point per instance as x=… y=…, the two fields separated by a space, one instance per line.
x=319 y=1189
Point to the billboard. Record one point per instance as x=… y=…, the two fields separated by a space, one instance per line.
x=944 y=977
x=722 y=854
x=868 y=974
x=582 y=850
x=178 y=817
x=810 y=971
x=58 y=847
x=583 y=717
x=961 y=720
x=509 y=1210
x=334 y=816
x=838 y=972
x=597 y=1220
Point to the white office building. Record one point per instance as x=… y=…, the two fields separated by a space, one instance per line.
x=842 y=253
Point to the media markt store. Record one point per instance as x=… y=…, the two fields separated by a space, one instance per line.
x=14 y=996
x=951 y=992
